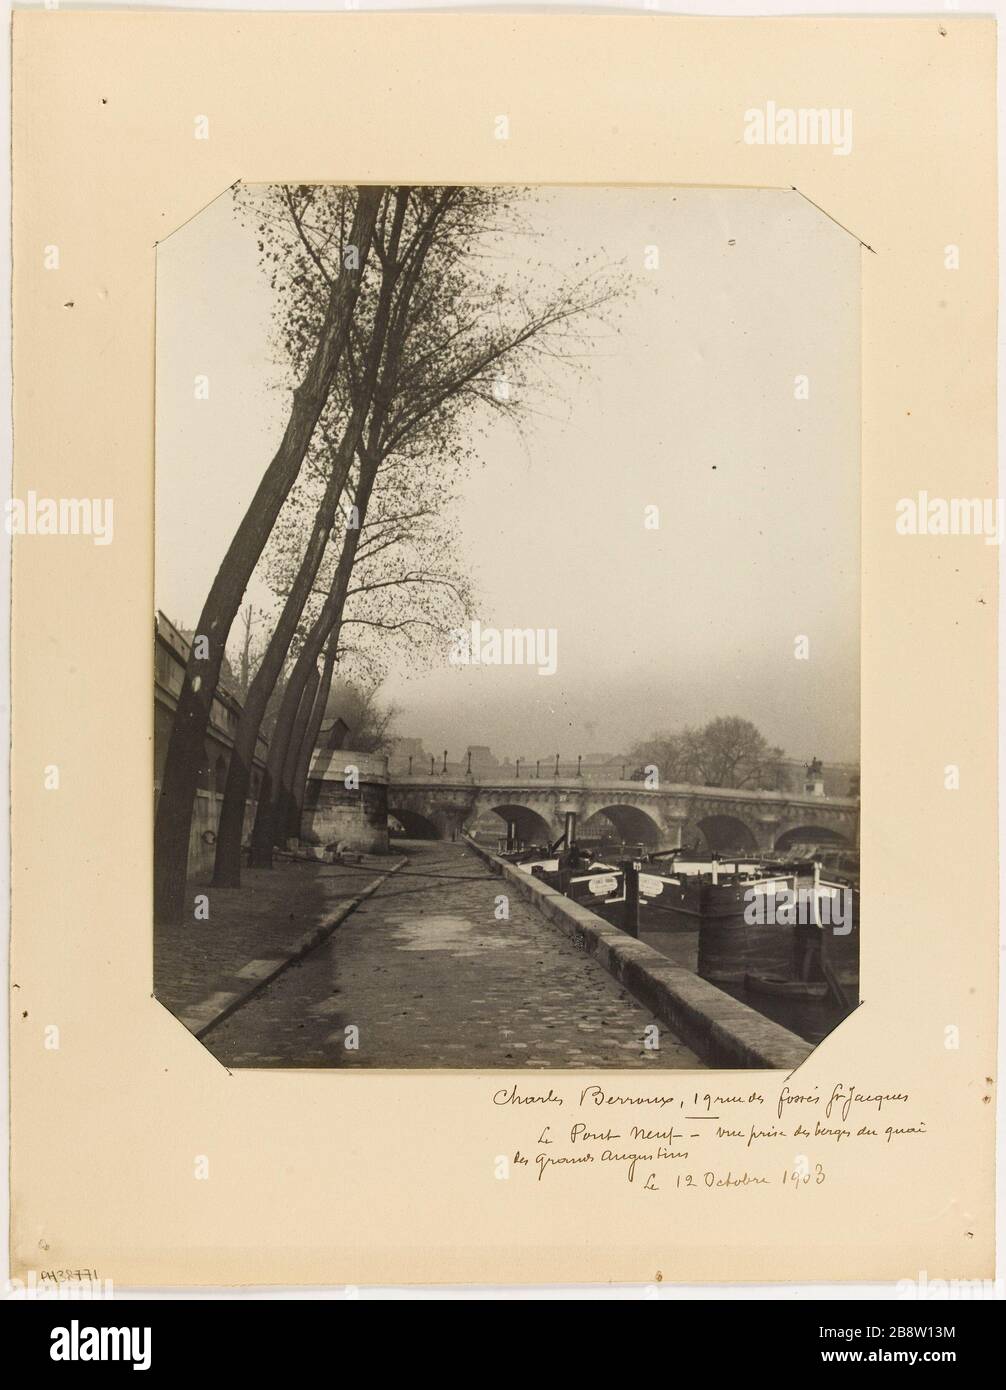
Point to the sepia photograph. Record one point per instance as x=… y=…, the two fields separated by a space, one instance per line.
x=507 y=630
x=569 y=580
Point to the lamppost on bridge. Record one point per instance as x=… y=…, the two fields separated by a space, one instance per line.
x=469 y=762
x=433 y=763
x=579 y=760
x=518 y=769
x=537 y=767
x=557 y=764
x=445 y=762
x=410 y=764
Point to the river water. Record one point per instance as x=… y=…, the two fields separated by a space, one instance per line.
x=810 y=1019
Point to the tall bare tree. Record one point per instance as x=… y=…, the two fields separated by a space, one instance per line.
x=405 y=595
x=185 y=747
x=433 y=330
x=388 y=249
x=470 y=340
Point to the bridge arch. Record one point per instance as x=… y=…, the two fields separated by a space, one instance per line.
x=415 y=825
x=631 y=824
x=722 y=832
x=810 y=834
x=532 y=828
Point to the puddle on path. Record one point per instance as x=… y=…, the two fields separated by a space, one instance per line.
x=442 y=933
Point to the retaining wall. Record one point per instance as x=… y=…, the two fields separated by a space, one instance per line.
x=721 y=1030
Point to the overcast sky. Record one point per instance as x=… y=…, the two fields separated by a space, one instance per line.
x=691 y=409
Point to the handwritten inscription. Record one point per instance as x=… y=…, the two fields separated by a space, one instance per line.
x=687 y=1141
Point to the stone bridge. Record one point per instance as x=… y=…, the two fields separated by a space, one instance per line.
x=673 y=815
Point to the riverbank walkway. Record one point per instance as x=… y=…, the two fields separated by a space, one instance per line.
x=429 y=971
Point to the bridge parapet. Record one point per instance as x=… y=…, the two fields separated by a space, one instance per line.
x=654 y=814
x=571 y=785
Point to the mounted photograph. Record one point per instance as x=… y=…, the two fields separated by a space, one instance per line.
x=507 y=627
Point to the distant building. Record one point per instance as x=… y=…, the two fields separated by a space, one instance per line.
x=401 y=750
x=616 y=766
x=336 y=736
x=482 y=759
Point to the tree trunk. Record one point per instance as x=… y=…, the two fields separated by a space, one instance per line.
x=310 y=740
x=267 y=823
x=227 y=862
x=185 y=747
x=227 y=865
x=284 y=801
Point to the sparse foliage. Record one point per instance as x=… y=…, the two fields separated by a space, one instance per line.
x=726 y=752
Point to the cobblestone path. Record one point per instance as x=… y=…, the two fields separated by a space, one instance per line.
x=265 y=917
x=424 y=975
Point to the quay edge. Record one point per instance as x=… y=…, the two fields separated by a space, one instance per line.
x=722 y=1031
